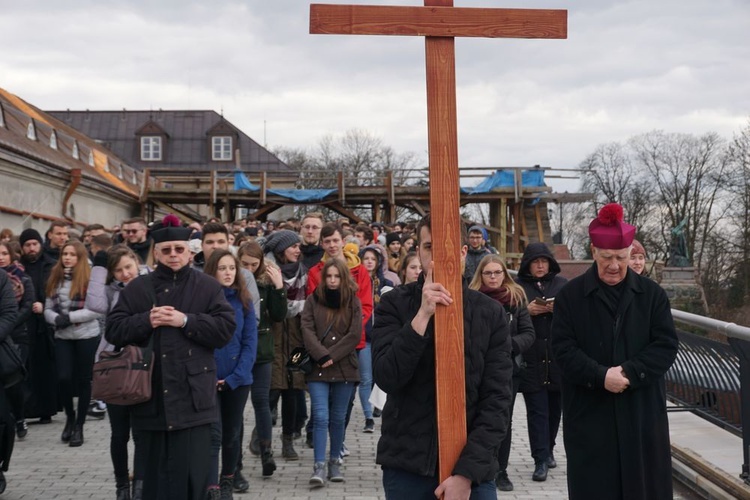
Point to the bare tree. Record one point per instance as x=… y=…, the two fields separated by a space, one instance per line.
x=686 y=172
x=738 y=211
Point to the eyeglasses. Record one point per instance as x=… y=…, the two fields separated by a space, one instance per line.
x=492 y=274
x=130 y=231
x=311 y=228
x=168 y=250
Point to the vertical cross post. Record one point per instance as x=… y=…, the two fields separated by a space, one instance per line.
x=439 y=22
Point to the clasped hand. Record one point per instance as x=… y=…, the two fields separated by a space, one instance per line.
x=615 y=380
x=432 y=295
x=166 y=316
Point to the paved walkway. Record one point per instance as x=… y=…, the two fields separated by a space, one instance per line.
x=44 y=468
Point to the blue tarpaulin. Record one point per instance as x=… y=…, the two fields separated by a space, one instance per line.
x=301 y=195
x=504 y=178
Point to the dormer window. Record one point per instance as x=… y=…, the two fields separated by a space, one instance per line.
x=2 y=117
x=91 y=158
x=31 y=131
x=221 y=147
x=53 y=140
x=151 y=148
x=76 y=154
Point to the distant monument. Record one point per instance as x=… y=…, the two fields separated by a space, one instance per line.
x=679 y=278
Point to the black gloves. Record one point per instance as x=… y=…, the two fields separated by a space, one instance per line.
x=100 y=259
x=62 y=321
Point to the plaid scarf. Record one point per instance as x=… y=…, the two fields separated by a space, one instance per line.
x=15 y=273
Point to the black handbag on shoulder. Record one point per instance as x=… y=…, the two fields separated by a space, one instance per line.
x=300 y=360
x=12 y=370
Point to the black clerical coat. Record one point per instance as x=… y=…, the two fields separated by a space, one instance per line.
x=617 y=445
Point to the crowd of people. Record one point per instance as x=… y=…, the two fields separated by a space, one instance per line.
x=224 y=306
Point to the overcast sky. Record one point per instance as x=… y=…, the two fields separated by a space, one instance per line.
x=627 y=67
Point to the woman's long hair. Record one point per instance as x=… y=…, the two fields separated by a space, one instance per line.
x=517 y=293
x=239 y=282
x=81 y=272
x=253 y=249
x=410 y=256
x=114 y=255
x=348 y=290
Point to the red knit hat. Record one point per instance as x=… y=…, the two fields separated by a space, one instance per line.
x=608 y=231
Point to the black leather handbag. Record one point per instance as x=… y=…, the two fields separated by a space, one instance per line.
x=300 y=360
x=12 y=370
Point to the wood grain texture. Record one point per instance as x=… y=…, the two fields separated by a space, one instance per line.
x=446 y=249
x=439 y=21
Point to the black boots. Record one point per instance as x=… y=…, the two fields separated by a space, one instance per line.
x=540 y=471
x=287 y=447
x=123 y=492
x=137 y=489
x=67 y=432
x=502 y=482
x=76 y=439
x=266 y=459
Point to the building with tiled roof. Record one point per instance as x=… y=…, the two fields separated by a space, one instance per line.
x=49 y=170
x=174 y=140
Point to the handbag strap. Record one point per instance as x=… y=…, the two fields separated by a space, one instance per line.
x=151 y=291
x=328 y=330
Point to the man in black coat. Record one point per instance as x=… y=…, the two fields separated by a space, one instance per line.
x=614 y=339
x=403 y=352
x=42 y=375
x=184 y=313
x=540 y=380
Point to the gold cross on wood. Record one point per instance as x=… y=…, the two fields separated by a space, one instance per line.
x=439 y=22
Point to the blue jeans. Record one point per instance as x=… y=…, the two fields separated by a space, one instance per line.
x=365 y=379
x=402 y=485
x=329 y=417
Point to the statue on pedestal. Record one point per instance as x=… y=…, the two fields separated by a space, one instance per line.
x=678 y=251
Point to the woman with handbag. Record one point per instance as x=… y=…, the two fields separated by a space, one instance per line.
x=331 y=328
x=23 y=289
x=8 y=313
x=234 y=369
x=76 y=334
x=112 y=271
x=282 y=248
x=492 y=279
x=273 y=309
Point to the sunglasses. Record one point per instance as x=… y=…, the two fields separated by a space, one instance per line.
x=168 y=250
x=130 y=231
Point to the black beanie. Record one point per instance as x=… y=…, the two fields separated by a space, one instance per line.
x=391 y=237
x=30 y=234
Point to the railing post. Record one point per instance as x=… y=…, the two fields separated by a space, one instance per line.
x=742 y=348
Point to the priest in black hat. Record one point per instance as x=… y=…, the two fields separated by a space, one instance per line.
x=185 y=314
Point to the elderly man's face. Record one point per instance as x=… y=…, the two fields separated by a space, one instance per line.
x=612 y=265
x=173 y=254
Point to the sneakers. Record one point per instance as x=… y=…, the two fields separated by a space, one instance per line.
x=21 y=429
x=369 y=426
x=502 y=482
x=344 y=451
x=334 y=471
x=239 y=483
x=318 y=477
x=97 y=409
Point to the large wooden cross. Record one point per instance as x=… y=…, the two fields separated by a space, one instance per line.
x=439 y=22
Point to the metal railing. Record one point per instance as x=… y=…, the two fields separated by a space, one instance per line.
x=712 y=378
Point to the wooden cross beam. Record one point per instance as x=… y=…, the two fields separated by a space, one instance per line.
x=439 y=22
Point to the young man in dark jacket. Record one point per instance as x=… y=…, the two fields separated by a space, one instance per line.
x=404 y=367
x=540 y=381
x=188 y=319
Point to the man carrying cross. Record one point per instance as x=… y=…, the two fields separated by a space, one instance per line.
x=404 y=367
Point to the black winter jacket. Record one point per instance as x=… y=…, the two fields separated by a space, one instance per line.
x=184 y=379
x=541 y=371
x=404 y=367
